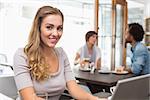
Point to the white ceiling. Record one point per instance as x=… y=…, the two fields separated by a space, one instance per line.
x=86 y=1
x=105 y=1
x=135 y=3
x=138 y=1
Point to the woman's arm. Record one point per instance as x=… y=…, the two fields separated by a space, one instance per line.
x=78 y=60
x=29 y=94
x=77 y=56
x=78 y=93
x=71 y=84
x=22 y=76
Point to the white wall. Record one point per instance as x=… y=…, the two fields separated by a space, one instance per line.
x=147 y=9
x=15 y=26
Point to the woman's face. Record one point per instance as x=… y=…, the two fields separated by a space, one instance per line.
x=51 y=30
x=92 y=39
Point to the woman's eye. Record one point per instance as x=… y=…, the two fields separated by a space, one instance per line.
x=94 y=36
x=60 y=28
x=49 y=27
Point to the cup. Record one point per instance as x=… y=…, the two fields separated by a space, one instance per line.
x=86 y=65
x=87 y=59
x=104 y=68
x=112 y=89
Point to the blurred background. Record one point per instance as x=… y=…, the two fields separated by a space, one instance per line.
x=16 y=18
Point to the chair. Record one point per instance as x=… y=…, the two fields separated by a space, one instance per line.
x=8 y=87
x=4 y=61
x=3 y=58
x=65 y=96
x=6 y=65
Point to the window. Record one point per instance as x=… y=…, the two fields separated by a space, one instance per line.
x=16 y=19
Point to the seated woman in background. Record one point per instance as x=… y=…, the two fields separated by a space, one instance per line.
x=89 y=51
x=41 y=70
x=141 y=57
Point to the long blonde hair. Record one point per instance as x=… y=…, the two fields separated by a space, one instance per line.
x=37 y=64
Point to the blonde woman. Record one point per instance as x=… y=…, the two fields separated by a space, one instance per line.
x=41 y=70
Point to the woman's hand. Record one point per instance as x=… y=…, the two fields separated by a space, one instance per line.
x=82 y=63
x=76 y=62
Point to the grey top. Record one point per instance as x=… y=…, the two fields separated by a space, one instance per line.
x=54 y=86
x=84 y=53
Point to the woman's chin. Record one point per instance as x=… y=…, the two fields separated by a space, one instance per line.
x=52 y=45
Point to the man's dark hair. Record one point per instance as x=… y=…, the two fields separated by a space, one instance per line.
x=89 y=34
x=136 y=30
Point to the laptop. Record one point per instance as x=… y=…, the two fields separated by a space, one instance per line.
x=136 y=88
x=8 y=86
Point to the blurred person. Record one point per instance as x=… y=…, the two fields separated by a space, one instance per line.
x=89 y=55
x=89 y=52
x=140 y=60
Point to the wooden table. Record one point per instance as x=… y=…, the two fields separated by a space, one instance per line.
x=106 y=80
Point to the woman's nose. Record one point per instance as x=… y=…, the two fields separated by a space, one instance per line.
x=55 y=32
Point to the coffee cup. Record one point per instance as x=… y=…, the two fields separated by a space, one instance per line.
x=112 y=89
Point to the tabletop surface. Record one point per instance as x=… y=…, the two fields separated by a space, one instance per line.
x=100 y=79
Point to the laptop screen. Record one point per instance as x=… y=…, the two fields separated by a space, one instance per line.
x=136 y=88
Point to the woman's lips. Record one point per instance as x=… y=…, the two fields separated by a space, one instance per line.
x=53 y=40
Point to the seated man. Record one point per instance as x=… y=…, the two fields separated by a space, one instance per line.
x=140 y=61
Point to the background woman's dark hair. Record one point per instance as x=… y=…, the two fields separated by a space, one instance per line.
x=89 y=34
x=137 y=31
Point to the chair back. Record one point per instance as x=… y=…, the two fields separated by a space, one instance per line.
x=8 y=87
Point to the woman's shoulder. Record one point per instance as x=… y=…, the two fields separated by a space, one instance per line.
x=19 y=58
x=20 y=52
x=60 y=50
x=97 y=48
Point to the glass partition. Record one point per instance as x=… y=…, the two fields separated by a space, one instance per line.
x=112 y=22
x=119 y=36
x=105 y=33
